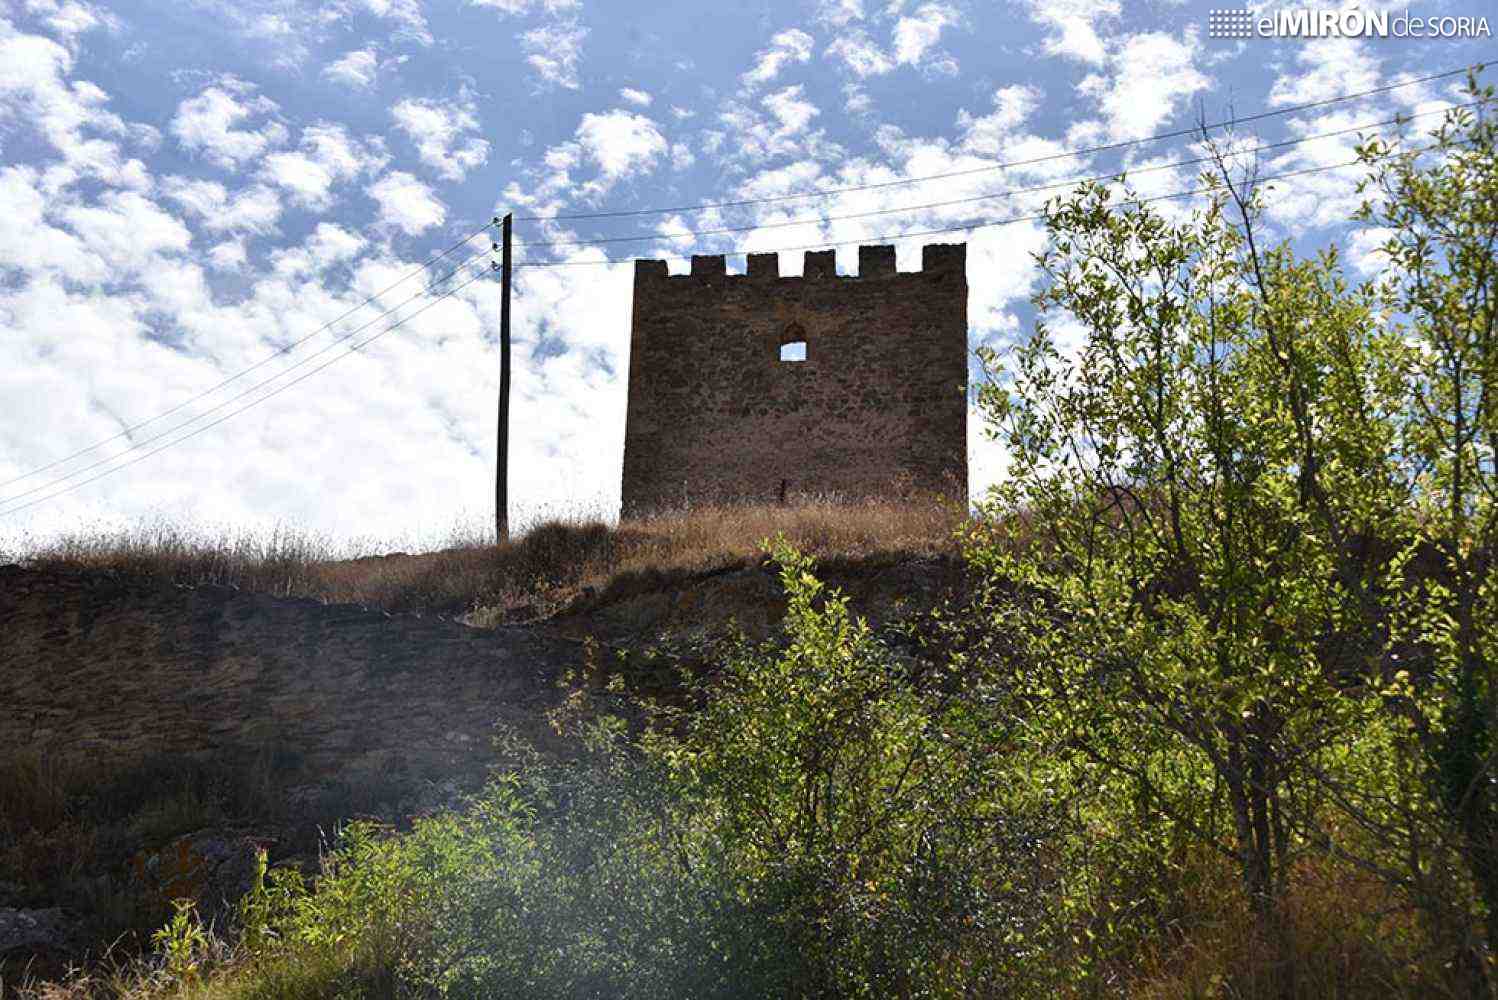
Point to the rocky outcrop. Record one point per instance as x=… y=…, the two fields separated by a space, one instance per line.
x=110 y=672
x=212 y=868
x=24 y=933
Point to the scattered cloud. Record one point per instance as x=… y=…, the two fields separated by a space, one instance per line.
x=993 y=133
x=326 y=155
x=440 y=130
x=860 y=54
x=526 y=6
x=254 y=209
x=1332 y=66
x=228 y=256
x=621 y=143
x=1147 y=79
x=791 y=109
x=327 y=245
x=1072 y=27
x=71 y=116
x=70 y=18
x=406 y=203
x=354 y=69
x=788 y=47
x=127 y=230
x=406 y=14
x=208 y=124
x=839 y=13
x=553 y=51
x=915 y=37
x=638 y=98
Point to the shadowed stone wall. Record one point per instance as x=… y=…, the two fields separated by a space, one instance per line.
x=878 y=408
x=111 y=672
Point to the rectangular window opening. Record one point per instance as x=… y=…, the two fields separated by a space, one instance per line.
x=793 y=351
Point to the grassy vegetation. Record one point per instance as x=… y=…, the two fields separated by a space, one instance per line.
x=548 y=564
x=842 y=815
x=69 y=835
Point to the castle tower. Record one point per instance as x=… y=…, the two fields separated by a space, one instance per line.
x=753 y=387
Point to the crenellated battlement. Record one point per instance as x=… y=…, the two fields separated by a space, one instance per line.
x=877 y=261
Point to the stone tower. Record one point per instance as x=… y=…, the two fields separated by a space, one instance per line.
x=754 y=387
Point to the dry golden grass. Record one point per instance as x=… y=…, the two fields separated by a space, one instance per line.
x=547 y=564
x=1346 y=935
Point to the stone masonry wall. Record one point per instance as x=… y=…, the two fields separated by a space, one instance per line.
x=878 y=408
x=110 y=672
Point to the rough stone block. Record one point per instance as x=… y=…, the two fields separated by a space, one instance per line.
x=876 y=261
x=708 y=266
x=764 y=265
x=819 y=264
x=944 y=256
x=650 y=270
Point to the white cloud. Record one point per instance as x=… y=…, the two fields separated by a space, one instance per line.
x=856 y=100
x=228 y=256
x=355 y=69
x=857 y=51
x=789 y=46
x=207 y=123
x=127 y=230
x=839 y=13
x=254 y=209
x=639 y=98
x=439 y=131
x=327 y=245
x=71 y=18
x=917 y=35
x=406 y=203
x=406 y=13
x=1152 y=73
x=28 y=242
x=621 y=143
x=792 y=110
x=1073 y=26
x=71 y=116
x=526 y=6
x=1331 y=67
x=553 y=51
x=327 y=155
x=993 y=133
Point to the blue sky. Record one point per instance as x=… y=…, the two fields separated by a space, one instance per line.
x=188 y=188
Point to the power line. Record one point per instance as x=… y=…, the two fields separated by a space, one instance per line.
x=279 y=389
x=936 y=232
x=245 y=371
x=1397 y=120
x=1084 y=151
x=240 y=395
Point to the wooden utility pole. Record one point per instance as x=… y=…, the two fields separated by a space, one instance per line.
x=502 y=470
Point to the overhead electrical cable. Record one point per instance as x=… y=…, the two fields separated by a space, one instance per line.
x=282 y=352
x=276 y=391
x=819 y=220
x=932 y=232
x=1065 y=154
x=240 y=395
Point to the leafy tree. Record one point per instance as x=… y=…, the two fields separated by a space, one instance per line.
x=1186 y=623
x=860 y=791
x=1436 y=204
